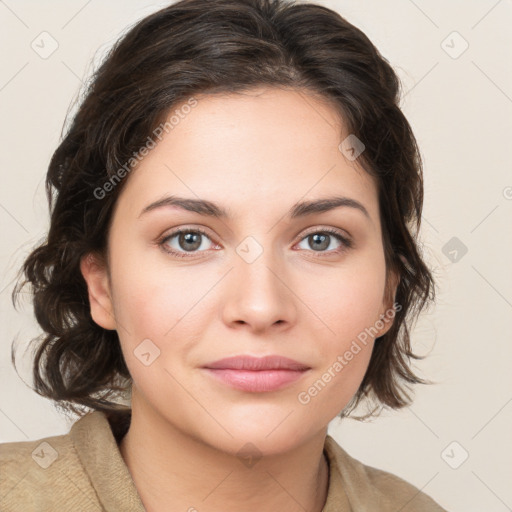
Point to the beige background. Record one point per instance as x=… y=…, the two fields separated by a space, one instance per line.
x=460 y=106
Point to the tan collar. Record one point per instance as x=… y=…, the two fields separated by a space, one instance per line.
x=99 y=453
x=102 y=460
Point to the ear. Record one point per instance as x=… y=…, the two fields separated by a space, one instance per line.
x=388 y=310
x=94 y=270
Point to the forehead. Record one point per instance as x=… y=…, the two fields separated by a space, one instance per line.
x=268 y=147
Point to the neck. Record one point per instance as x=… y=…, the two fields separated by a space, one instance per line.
x=175 y=471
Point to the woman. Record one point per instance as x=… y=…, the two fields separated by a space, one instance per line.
x=232 y=252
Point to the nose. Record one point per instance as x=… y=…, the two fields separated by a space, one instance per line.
x=259 y=294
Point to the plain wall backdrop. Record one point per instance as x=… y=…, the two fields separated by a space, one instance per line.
x=454 y=59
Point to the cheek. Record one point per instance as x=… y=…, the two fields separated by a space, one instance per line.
x=150 y=297
x=167 y=306
x=344 y=354
x=350 y=308
x=352 y=300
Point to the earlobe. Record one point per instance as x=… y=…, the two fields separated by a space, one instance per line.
x=95 y=273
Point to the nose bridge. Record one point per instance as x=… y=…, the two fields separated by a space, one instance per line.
x=257 y=265
x=259 y=295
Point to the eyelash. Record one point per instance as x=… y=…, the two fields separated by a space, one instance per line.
x=346 y=242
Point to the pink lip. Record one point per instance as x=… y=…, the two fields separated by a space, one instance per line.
x=255 y=374
x=257 y=363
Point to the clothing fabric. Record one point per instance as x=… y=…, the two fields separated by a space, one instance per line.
x=84 y=471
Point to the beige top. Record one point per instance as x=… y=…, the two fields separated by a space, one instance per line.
x=84 y=471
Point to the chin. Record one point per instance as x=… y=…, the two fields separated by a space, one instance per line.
x=268 y=434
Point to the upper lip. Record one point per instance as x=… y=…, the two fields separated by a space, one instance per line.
x=243 y=362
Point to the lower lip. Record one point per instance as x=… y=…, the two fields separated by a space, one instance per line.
x=257 y=381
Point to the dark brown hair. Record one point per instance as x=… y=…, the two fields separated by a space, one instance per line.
x=203 y=47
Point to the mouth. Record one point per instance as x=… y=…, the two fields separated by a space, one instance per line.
x=257 y=374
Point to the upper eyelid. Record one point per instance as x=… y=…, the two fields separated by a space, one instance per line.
x=315 y=229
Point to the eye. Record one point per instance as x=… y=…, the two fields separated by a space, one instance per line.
x=186 y=241
x=319 y=241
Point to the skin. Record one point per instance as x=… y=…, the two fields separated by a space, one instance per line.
x=255 y=154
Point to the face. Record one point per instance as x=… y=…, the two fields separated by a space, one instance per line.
x=266 y=278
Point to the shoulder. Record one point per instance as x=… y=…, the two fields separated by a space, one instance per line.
x=43 y=475
x=370 y=488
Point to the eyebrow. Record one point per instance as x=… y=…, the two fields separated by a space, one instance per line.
x=300 y=209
